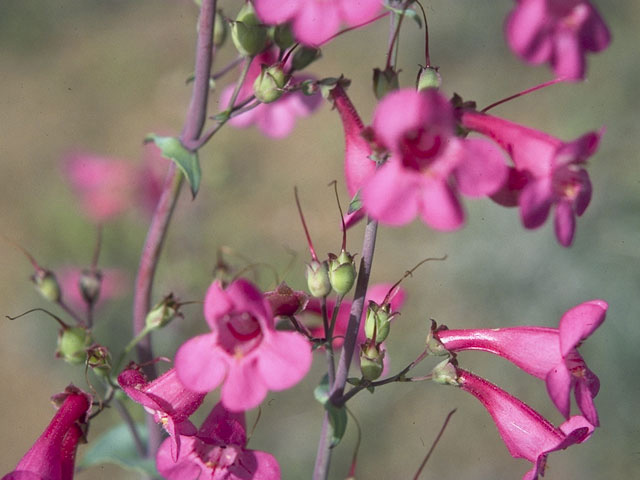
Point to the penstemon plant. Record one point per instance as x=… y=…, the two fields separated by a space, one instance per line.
x=424 y=150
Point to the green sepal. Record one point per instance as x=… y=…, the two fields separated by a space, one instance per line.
x=337 y=415
x=355 y=204
x=187 y=161
x=409 y=12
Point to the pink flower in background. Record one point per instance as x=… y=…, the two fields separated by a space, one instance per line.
x=314 y=21
x=217 y=452
x=166 y=399
x=549 y=171
x=558 y=32
x=524 y=431
x=428 y=164
x=150 y=177
x=114 y=284
x=243 y=350
x=277 y=119
x=52 y=456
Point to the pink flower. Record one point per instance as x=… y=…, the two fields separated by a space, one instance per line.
x=166 y=399
x=559 y=32
x=150 y=178
x=243 y=350
x=548 y=171
x=114 y=284
x=277 y=119
x=547 y=353
x=314 y=21
x=52 y=456
x=428 y=163
x=217 y=452
x=524 y=431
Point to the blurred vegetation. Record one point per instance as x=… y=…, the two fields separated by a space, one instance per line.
x=97 y=75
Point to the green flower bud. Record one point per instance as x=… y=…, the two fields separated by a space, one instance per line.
x=163 y=312
x=378 y=322
x=90 y=283
x=371 y=362
x=269 y=85
x=342 y=272
x=248 y=35
x=445 y=373
x=282 y=36
x=99 y=359
x=305 y=56
x=72 y=345
x=428 y=78
x=384 y=81
x=47 y=284
x=434 y=346
x=318 y=279
x=220 y=29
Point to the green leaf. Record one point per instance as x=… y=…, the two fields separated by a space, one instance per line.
x=408 y=12
x=116 y=446
x=337 y=415
x=187 y=161
x=356 y=203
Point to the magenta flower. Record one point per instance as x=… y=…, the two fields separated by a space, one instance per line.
x=166 y=399
x=428 y=164
x=243 y=350
x=52 y=456
x=277 y=119
x=547 y=353
x=314 y=21
x=524 y=431
x=559 y=32
x=548 y=171
x=218 y=452
x=114 y=284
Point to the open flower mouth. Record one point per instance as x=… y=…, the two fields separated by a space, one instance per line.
x=420 y=149
x=240 y=333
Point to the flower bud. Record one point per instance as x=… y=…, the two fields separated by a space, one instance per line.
x=220 y=29
x=285 y=301
x=99 y=359
x=342 y=272
x=371 y=361
x=283 y=36
x=428 y=78
x=47 y=284
x=318 y=279
x=162 y=313
x=384 y=81
x=445 y=373
x=305 y=56
x=90 y=283
x=248 y=35
x=72 y=345
x=269 y=85
x=309 y=87
x=377 y=322
x=434 y=346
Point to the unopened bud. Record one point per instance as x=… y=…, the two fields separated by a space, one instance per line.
x=99 y=359
x=47 y=284
x=72 y=345
x=285 y=301
x=378 y=322
x=342 y=272
x=309 y=87
x=220 y=29
x=445 y=373
x=163 y=312
x=248 y=35
x=305 y=56
x=90 y=284
x=434 y=346
x=428 y=78
x=269 y=85
x=371 y=361
x=384 y=81
x=283 y=36
x=318 y=279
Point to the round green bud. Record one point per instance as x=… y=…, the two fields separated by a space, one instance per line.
x=428 y=78
x=220 y=29
x=90 y=284
x=248 y=35
x=318 y=279
x=269 y=85
x=47 y=284
x=384 y=81
x=162 y=313
x=342 y=272
x=445 y=373
x=72 y=345
x=371 y=362
x=283 y=36
x=377 y=322
x=305 y=56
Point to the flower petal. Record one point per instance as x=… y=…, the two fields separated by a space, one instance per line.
x=579 y=322
x=285 y=358
x=481 y=170
x=440 y=207
x=316 y=22
x=244 y=387
x=564 y=223
x=535 y=201
x=201 y=366
x=277 y=11
x=559 y=381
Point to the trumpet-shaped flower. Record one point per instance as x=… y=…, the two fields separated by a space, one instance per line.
x=166 y=399
x=548 y=171
x=52 y=456
x=547 y=353
x=243 y=350
x=315 y=21
x=524 y=431
x=428 y=163
x=217 y=452
x=558 y=32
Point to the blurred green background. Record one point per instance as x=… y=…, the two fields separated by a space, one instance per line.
x=97 y=75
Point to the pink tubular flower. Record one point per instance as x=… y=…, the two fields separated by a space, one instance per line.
x=52 y=456
x=243 y=349
x=428 y=163
x=277 y=119
x=314 y=21
x=547 y=353
x=166 y=399
x=558 y=32
x=548 y=171
x=524 y=431
x=217 y=452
